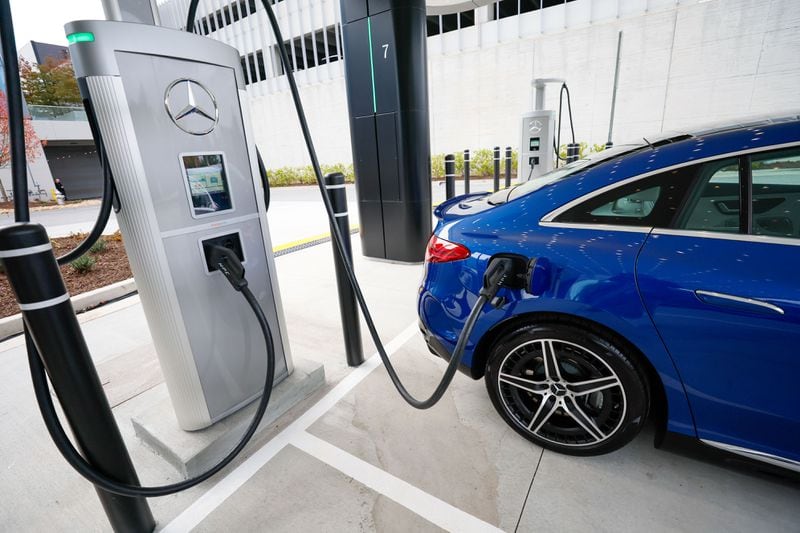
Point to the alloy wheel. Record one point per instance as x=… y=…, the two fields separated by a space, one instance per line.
x=561 y=392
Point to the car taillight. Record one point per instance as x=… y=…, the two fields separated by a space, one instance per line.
x=442 y=251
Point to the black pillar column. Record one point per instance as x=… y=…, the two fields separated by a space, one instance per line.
x=387 y=95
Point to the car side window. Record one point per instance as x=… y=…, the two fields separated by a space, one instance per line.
x=714 y=204
x=775 y=208
x=650 y=201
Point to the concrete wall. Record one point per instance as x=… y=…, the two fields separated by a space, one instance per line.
x=682 y=64
x=63 y=130
x=39 y=178
x=277 y=131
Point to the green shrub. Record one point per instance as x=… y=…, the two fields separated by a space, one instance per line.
x=437 y=166
x=481 y=165
x=481 y=162
x=99 y=246
x=284 y=176
x=83 y=264
x=583 y=151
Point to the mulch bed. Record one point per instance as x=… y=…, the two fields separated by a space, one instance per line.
x=111 y=265
x=8 y=206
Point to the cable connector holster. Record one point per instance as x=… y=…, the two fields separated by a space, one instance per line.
x=226 y=261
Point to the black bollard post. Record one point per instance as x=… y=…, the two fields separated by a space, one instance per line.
x=496 y=168
x=508 y=166
x=573 y=152
x=56 y=339
x=351 y=327
x=466 y=171
x=449 y=176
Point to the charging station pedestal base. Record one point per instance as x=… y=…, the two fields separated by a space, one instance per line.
x=194 y=452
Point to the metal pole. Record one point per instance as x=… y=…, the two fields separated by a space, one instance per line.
x=466 y=171
x=351 y=327
x=609 y=144
x=19 y=179
x=496 y=168
x=449 y=176
x=56 y=338
x=139 y=11
x=508 y=166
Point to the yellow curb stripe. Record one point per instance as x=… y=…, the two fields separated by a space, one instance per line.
x=306 y=240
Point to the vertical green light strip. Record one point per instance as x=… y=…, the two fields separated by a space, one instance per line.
x=372 y=66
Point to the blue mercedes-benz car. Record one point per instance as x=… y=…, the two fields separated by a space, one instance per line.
x=661 y=279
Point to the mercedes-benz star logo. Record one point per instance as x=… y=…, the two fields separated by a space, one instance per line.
x=535 y=126
x=191 y=106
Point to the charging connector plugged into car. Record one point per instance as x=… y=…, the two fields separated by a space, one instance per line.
x=503 y=271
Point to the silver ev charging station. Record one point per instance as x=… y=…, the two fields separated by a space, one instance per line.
x=536 y=144
x=172 y=112
x=537 y=135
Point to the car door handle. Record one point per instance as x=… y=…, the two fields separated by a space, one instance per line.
x=731 y=300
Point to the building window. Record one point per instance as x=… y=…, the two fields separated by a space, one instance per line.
x=434 y=28
x=449 y=22
x=507 y=8
x=526 y=6
x=319 y=47
x=466 y=19
x=510 y=8
x=445 y=23
x=229 y=14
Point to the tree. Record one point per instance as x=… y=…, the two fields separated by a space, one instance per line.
x=32 y=142
x=52 y=83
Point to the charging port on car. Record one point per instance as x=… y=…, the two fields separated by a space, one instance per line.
x=230 y=241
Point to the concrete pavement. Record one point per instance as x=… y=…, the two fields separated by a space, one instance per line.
x=355 y=458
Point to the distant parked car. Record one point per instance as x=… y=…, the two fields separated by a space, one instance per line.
x=663 y=278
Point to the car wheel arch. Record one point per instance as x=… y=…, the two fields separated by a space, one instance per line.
x=658 y=400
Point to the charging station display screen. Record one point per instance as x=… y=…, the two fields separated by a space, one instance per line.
x=534 y=144
x=207 y=183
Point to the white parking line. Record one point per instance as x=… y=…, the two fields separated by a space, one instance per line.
x=213 y=498
x=418 y=501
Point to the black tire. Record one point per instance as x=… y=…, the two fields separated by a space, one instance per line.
x=563 y=410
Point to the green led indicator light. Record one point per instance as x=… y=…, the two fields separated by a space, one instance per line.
x=372 y=66
x=80 y=37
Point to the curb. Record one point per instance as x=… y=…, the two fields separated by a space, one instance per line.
x=12 y=325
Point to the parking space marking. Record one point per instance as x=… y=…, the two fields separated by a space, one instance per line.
x=427 y=506
x=228 y=485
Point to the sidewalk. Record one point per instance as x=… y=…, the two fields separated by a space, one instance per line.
x=354 y=457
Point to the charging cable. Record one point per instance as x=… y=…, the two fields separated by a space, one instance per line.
x=229 y=265
x=557 y=146
x=499 y=269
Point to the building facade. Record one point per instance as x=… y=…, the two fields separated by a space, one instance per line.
x=69 y=150
x=682 y=63
x=40 y=181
